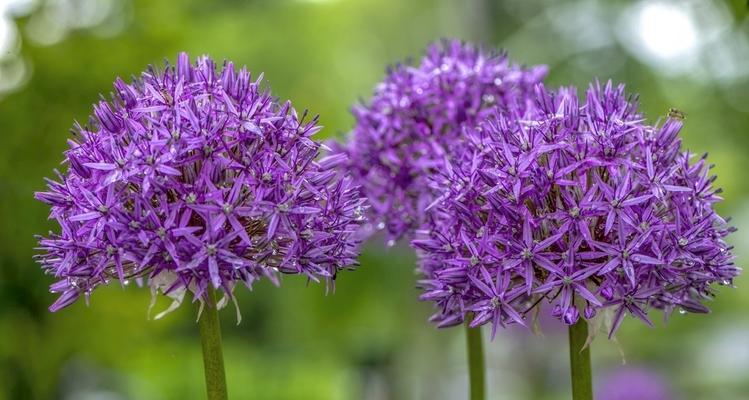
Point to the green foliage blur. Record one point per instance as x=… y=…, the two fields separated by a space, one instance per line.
x=371 y=339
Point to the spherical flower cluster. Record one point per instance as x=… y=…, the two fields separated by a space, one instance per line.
x=581 y=205
x=194 y=178
x=624 y=383
x=417 y=115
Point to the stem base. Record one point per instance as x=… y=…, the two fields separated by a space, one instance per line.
x=213 y=356
x=476 y=366
x=582 y=386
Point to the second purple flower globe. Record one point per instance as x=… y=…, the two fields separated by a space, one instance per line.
x=416 y=117
x=194 y=178
x=578 y=203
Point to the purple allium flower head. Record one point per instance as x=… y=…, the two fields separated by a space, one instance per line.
x=633 y=383
x=191 y=178
x=575 y=202
x=416 y=115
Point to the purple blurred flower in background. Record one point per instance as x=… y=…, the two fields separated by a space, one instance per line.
x=628 y=383
x=191 y=178
x=579 y=203
x=416 y=117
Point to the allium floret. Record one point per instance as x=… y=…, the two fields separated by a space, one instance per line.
x=191 y=178
x=576 y=202
x=416 y=116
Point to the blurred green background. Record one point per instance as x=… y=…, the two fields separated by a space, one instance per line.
x=370 y=340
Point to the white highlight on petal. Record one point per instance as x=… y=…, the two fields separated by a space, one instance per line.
x=165 y=279
x=160 y=283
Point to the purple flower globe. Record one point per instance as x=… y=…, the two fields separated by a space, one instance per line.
x=579 y=203
x=191 y=178
x=416 y=116
x=638 y=383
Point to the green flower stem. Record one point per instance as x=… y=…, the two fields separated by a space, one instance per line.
x=476 y=368
x=582 y=386
x=213 y=356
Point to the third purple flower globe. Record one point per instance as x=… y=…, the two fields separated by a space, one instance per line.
x=417 y=114
x=577 y=202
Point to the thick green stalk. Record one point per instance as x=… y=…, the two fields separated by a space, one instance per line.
x=582 y=385
x=476 y=368
x=213 y=356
